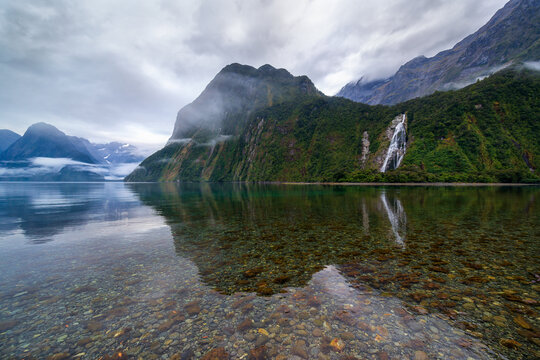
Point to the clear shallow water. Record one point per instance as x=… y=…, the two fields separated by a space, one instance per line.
x=162 y=270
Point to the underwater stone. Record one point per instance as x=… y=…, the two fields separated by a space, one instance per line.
x=245 y=325
x=259 y=353
x=216 y=354
x=522 y=322
x=509 y=343
x=299 y=349
x=58 y=356
x=192 y=308
x=6 y=325
x=337 y=344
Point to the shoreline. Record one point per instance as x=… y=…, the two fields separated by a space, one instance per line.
x=278 y=183
x=333 y=183
x=398 y=184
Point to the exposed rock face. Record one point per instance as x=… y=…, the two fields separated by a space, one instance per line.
x=513 y=34
x=365 y=148
x=362 y=90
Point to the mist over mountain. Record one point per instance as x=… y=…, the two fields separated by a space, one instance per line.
x=45 y=153
x=237 y=90
x=512 y=35
x=218 y=116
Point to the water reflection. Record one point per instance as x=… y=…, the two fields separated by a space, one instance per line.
x=381 y=321
x=265 y=238
x=397 y=217
x=460 y=252
x=330 y=261
x=43 y=210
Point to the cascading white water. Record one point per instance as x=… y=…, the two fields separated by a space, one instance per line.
x=397 y=148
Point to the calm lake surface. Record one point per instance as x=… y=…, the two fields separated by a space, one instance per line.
x=217 y=271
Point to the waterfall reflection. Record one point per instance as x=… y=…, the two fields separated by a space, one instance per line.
x=262 y=238
x=398 y=218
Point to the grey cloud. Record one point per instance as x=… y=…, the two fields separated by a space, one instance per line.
x=121 y=70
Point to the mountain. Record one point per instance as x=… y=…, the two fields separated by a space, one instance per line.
x=44 y=140
x=45 y=153
x=486 y=132
x=512 y=35
x=116 y=153
x=109 y=153
x=205 y=128
x=7 y=137
x=235 y=92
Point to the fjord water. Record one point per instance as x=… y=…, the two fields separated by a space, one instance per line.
x=268 y=271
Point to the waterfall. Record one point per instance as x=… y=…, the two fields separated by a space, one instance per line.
x=397 y=147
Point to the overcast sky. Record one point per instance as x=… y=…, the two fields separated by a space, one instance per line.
x=120 y=70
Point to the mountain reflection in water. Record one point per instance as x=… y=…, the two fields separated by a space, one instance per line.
x=265 y=238
x=43 y=210
x=444 y=250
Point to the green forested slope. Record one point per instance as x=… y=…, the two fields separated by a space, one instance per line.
x=487 y=132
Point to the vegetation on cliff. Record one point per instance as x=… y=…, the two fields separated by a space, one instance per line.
x=486 y=132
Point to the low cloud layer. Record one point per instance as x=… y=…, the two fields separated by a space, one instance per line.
x=121 y=70
x=533 y=65
x=43 y=165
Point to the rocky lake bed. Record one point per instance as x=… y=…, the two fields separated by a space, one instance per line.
x=148 y=271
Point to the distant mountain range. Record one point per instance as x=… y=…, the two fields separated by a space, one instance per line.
x=511 y=36
x=267 y=125
x=45 y=153
x=44 y=140
x=264 y=124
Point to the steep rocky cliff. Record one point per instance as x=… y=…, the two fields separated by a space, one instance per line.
x=484 y=132
x=512 y=35
x=207 y=130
